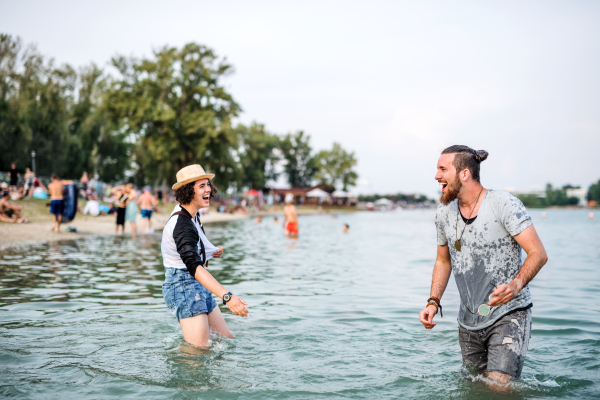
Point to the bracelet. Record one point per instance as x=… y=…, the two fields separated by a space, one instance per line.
x=436 y=302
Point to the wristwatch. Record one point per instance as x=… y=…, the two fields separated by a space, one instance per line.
x=227 y=297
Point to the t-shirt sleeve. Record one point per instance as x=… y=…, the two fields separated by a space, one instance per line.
x=514 y=216
x=186 y=239
x=439 y=227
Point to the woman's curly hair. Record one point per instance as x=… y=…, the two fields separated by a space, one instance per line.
x=185 y=194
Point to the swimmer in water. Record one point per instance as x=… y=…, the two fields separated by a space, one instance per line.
x=56 y=200
x=258 y=219
x=275 y=220
x=346 y=228
x=290 y=220
x=147 y=203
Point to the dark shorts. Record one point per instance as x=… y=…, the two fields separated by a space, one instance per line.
x=500 y=347
x=184 y=295
x=121 y=215
x=146 y=214
x=57 y=207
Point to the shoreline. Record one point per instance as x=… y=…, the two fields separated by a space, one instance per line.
x=37 y=232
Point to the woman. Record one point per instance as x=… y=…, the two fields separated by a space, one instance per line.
x=84 y=183
x=121 y=196
x=186 y=251
x=131 y=208
x=29 y=176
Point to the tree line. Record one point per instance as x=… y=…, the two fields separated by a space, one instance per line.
x=554 y=197
x=143 y=119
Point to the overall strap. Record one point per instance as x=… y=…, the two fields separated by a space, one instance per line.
x=203 y=251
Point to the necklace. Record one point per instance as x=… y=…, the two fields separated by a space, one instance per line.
x=457 y=243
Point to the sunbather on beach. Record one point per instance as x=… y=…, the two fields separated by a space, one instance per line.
x=9 y=211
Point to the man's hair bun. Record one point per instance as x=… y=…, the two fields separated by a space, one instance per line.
x=481 y=155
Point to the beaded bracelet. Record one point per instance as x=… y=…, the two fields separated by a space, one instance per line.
x=435 y=302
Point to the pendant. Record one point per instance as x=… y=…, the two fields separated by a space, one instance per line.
x=457 y=245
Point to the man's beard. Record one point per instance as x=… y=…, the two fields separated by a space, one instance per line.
x=451 y=192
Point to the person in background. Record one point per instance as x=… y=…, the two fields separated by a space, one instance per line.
x=275 y=220
x=121 y=196
x=84 y=184
x=131 y=209
x=346 y=228
x=9 y=211
x=258 y=219
x=14 y=177
x=159 y=196
x=147 y=203
x=29 y=177
x=56 y=200
x=92 y=207
x=290 y=220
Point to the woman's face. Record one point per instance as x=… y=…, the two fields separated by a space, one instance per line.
x=202 y=191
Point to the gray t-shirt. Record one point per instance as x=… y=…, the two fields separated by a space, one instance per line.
x=489 y=255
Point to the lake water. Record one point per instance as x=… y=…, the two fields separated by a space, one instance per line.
x=332 y=315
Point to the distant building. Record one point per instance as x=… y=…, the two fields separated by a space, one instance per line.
x=581 y=194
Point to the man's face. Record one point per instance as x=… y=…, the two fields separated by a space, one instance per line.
x=446 y=175
x=202 y=191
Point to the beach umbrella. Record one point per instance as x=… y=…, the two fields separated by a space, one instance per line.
x=384 y=202
x=340 y=194
x=318 y=193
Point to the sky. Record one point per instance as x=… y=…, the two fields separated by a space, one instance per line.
x=395 y=82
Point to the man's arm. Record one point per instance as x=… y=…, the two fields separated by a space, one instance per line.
x=441 y=274
x=536 y=259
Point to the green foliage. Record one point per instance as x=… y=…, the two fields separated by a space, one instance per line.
x=174 y=107
x=257 y=155
x=155 y=116
x=335 y=166
x=594 y=192
x=554 y=197
x=54 y=112
x=300 y=166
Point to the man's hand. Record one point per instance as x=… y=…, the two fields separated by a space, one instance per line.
x=505 y=293
x=426 y=316
x=236 y=305
x=218 y=253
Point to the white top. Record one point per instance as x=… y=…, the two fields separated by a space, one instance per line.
x=93 y=207
x=171 y=257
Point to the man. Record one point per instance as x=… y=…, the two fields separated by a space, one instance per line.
x=147 y=203
x=9 y=211
x=290 y=220
x=56 y=200
x=14 y=177
x=480 y=234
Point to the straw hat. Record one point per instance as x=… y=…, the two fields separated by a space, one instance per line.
x=189 y=174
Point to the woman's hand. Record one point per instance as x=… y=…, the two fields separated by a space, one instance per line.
x=218 y=253
x=236 y=305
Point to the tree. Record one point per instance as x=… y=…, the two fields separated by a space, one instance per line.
x=174 y=107
x=335 y=166
x=594 y=192
x=257 y=155
x=300 y=166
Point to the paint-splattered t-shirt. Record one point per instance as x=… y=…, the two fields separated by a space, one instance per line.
x=489 y=255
